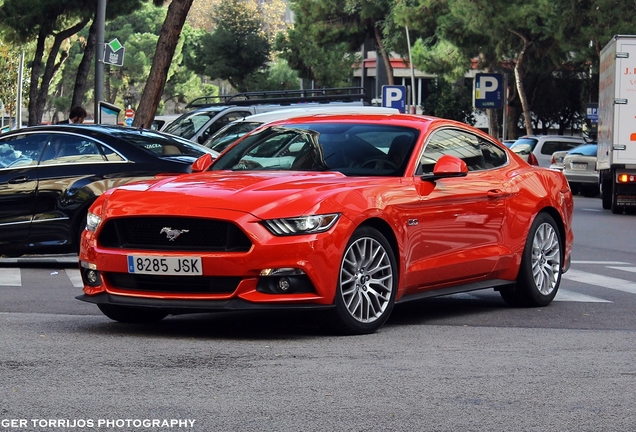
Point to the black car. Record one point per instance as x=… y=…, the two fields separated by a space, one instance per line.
x=50 y=175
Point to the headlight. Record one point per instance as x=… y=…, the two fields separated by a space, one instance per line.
x=301 y=225
x=92 y=221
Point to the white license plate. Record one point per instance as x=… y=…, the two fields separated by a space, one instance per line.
x=579 y=166
x=183 y=266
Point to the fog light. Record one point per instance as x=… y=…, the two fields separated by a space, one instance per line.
x=91 y=277
x=284 y=284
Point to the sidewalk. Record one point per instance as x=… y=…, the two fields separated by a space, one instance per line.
x=67 y=260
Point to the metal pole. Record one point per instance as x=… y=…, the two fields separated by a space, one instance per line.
x=505 y=108
x=408 y=42
x=18 y=100
x=100 y=21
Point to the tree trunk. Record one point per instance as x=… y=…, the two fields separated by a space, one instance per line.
x=79 y=90
x=519 y=83
x=385 y=55
x=493 y=122
x=166 y=45
x=36 y=67
x=36 y=105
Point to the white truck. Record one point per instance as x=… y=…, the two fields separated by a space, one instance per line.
x=616 y=157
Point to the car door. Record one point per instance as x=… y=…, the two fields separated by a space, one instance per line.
x=19 y=155
x=69 y=163
x=456 y=227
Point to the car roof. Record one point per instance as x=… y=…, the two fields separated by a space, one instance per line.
x=312 y=110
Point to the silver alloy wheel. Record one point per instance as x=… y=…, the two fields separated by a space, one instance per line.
x=366 y=279
x=546 y=258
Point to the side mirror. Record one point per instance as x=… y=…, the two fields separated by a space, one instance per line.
x=202 y=164
x=447 y=166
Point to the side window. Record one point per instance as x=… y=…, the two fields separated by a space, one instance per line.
x=550 y=147
x=21 y=150
x=110 y=154
x=462 y=145
x=222 y=121
x=64 y=148
x=494 y=156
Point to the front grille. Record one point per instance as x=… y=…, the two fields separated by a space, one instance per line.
x=154 y=233
x=173 y=284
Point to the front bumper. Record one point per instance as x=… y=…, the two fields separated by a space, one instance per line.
x=176 y=306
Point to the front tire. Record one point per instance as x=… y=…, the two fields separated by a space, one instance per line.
x=541 y=264
x=367 y=284
x=131 y=315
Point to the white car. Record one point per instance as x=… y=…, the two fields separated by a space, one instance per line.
x=538 y=149
x=233 y=131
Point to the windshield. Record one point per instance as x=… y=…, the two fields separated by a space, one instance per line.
x=230 y=133
x=189 y=124
x=524 y=146
x=584 y=150
x=352 y=149
x=163 y=145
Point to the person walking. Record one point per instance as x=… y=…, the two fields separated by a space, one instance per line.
x=76 y=116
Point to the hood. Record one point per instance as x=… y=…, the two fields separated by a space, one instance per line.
x=264 y=194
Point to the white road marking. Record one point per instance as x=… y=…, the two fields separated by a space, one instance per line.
x=602 y=281
x=627 y=269
x=75 y=277
x=605 y=263
x=571 y=296
x=10 y=277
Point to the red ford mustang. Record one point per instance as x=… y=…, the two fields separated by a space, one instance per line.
x=350 y=214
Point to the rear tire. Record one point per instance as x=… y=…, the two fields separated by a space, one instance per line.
x=131 y=315
x=589 y=191
x=606 y=191
x=540 y=271
x=367 y=284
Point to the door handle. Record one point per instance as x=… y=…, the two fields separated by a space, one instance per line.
x=18 y=180
x=496 y=194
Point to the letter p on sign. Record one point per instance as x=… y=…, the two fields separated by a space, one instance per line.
x=488 y=91
x=394 y=97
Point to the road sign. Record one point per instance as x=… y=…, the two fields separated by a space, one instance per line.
x=130 y=113
x=592 y=112
x=488 y=91
x=394 y=97
x=128 y=121
x=114 y=53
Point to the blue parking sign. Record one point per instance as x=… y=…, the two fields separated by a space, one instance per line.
x=394 y=97
x=488 y=90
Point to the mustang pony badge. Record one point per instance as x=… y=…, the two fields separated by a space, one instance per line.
x=172 y=234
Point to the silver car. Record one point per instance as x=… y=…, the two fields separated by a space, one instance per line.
x=579 y=167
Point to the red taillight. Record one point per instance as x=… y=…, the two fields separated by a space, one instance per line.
x=532 y=160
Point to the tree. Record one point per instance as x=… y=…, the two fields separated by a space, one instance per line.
x=166 y=46
x=9 y=65
x=237 y=48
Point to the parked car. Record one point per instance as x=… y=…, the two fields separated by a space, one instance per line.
x=233 y=131
x=346 y=214
x=556 y=162
x=579 y=167
x=50 y=175
x=538 y=149
x=209 y=114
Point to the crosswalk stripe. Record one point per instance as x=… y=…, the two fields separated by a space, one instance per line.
x=571 y=296
x=10 y=276
x=75 y=277
x=627 y=269
x=602 y=281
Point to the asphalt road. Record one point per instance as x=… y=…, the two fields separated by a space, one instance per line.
x=460 y=363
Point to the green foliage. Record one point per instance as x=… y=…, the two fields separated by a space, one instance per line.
x=450 y=101
x=9 y=68
x=236 y=49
